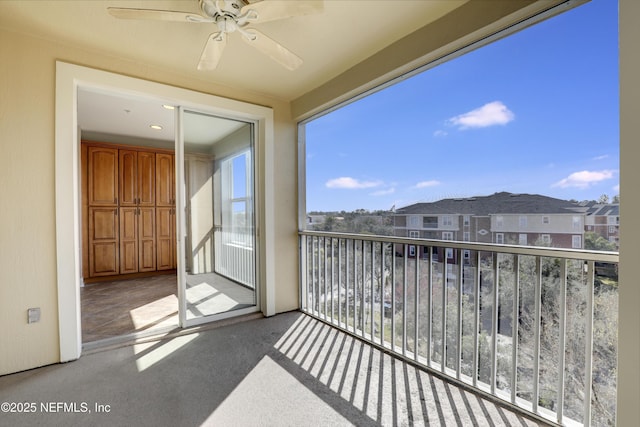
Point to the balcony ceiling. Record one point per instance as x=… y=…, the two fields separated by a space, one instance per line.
x=339 y=41
x=344 y=34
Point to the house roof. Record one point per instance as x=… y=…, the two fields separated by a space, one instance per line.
x=606 y=210
x=498 y=203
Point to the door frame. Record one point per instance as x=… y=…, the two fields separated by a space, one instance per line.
x=69 y=78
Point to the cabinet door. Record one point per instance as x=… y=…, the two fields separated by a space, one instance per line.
x=128 y=165
x=128 y=240
x=102 y=176
x=103 y=241
x=146 y=182
x=165 y=240
x=164 y=180
x=146 y=239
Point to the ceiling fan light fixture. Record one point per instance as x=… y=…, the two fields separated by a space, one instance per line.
x=230 y=16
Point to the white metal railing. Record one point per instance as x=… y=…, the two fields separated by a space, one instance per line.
x=234 y=257
x=533 y=326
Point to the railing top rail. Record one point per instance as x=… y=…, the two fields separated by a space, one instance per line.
x=579 y=254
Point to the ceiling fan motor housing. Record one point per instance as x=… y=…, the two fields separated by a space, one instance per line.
x=215 y=8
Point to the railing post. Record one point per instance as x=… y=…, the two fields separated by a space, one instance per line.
x=494 y=321
x=514 y=328
x=588 y=357
x=429 y=304
x=561 y=345
x=459 y=326
x=445 y=280
x=416 y=298
x=476 y=318
x=404 y=302
x=536 y=334
x=393 y=298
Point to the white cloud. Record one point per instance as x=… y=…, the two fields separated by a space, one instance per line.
x=351 y=183
x=425 y=184
x=491 y=114
x=604 y=156
x=440 y=133
x=584 y=179
x=383 y=192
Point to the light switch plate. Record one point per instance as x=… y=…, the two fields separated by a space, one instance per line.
x=33 y=315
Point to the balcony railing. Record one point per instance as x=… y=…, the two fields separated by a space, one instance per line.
x=533 y=326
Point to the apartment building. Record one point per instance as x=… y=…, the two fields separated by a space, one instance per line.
x=503 y=218
x=604 y=220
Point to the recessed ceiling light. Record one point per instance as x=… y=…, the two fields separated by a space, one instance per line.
x=168 y=107
x=156 y=127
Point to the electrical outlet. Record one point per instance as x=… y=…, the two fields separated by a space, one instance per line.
x=33 y=315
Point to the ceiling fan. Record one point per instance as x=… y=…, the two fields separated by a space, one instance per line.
x=230 y=16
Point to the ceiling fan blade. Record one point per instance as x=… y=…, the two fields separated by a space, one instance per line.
x=270 y=10
x=271 y=48
x=157 y=15
x=212 y=51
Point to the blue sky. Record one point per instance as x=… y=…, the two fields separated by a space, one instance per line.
x=535 y=112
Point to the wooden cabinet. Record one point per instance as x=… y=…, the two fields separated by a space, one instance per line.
x=165 y=193
x=103 y=241
x=165 y=212
x=165 y=234
x=127 y=190
x=103 y=176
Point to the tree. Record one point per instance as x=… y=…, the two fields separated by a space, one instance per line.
x=596 y=242
x=603 y=199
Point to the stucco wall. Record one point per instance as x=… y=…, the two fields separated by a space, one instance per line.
x=27 y=206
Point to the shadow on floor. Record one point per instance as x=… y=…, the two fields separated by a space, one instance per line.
x=289 y=369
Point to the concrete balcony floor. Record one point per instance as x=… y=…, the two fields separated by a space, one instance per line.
x=287 y=370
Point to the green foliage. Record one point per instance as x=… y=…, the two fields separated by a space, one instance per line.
x=596 y=242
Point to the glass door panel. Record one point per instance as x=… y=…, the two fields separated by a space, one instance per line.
x=218 y=268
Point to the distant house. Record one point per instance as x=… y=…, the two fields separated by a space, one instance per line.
x=314 y=221
x=503 y=218
x=604 y=220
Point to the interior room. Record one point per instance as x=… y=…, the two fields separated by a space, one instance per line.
x=129 y=287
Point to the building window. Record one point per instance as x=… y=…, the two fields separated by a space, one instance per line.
x=466 y=254
x=466 y=220
x=577 y=223
x=449 y=253
x=612 y=229
x=414 y=234
x=447 y=221
x=523 y=221
x=499 y=221
x=546 y=219
x=414 y=221
x=500 y=238
x=412 y=250
x=447 y=235
x=522 y=239
x=466 y=236
x=576 y=242
x=430 y=222
x=613 y=219
x=546 y=239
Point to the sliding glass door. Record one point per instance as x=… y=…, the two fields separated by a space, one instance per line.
x=217 y=256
